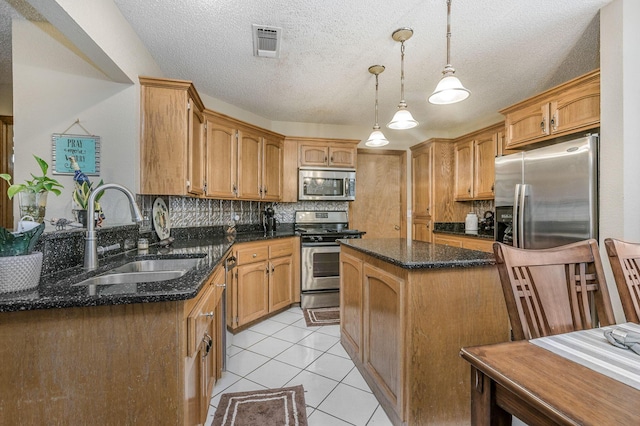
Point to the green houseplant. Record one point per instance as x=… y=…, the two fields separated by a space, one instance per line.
x=81 y=195
x=33 y=192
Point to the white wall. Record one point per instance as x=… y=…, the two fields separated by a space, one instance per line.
x=620 y=129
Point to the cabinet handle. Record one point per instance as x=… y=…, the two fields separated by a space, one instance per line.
x=254 y=255
x=542 y=126
x=553 y=122
x=265 y=190
x=235 y=189
x=207 y=314
x=331 y=159
x=396 y=227
x=469 y=190
x=325 y=158
x=428 y=226
x=221 y=285
x=208 y=343
x=493 y=187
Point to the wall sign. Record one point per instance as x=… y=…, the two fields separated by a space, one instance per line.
x=85 y=148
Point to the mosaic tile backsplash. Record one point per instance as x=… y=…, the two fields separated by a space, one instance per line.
x=186 y=212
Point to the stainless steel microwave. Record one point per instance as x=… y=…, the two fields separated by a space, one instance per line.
x=328 y=184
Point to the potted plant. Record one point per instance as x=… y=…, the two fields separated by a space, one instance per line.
x=81 y=195
x=33 y=193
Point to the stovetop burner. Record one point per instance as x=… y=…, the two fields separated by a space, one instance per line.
x=324 y=226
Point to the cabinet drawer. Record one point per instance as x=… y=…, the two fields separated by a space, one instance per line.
x=281 y=248
x=200 y=318
x=252 y=254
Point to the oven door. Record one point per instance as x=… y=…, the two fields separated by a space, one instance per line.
x=320 y=266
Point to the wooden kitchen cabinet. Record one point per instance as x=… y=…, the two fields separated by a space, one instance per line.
x=139 y=363
x=327 y=152
x=403 y=328
x=264 y=281
x=432 y=169
x=568 y=108
x=243 y=162
x=171 y=138
x=470 y=243
x=475 y=164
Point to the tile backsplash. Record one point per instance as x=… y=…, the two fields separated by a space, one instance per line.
x=186 y=212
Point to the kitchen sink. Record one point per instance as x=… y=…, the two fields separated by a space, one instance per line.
x=141 y=271
x=154 y=265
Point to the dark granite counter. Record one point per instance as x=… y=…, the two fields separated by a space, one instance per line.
x=56 y=290
x=410 y=254
x=457 y=228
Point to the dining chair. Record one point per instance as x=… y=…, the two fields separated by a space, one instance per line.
x=624 y=258
x=553 y=291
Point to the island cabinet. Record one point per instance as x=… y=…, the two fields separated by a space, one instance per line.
x=242 y=161
x=470 y=243
x=475 y=163
x=264 y=281
x=432 y=169
x=568 y=108
x=141 y=363
x=172 y=147
x=403 y=324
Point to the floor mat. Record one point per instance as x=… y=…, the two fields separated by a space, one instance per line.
x=321 y=316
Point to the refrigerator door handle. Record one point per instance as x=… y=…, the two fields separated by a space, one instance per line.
x=521 y=218
x=516 y=219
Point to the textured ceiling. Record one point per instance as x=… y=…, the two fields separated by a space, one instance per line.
x=502 y=50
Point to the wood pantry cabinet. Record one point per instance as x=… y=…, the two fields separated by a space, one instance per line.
x=243 y=162
x=432 y=169
x=141 y=363
x=264 y=280
x=475 y=164
x=171 y=138
x=403 y=329
x=568 y=108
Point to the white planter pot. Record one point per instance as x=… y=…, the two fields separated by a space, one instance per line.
x=19 y=273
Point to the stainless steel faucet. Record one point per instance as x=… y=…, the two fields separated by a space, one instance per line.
x=91 y=239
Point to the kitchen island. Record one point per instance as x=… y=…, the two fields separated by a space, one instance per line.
x=135 y=353
x=407 y=307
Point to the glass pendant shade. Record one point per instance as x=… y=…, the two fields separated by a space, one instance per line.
x=449 y=90
x=402 y=120
x=376 y=138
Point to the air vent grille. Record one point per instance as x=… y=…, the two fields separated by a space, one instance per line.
x=266 y=41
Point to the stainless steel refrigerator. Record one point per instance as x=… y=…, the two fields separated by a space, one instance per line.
x=548 y=196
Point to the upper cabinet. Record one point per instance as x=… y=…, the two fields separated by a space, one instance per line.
x=243 y=162
x=171 y=139
x=475 y=163
x=327 y=153
x=571 y=107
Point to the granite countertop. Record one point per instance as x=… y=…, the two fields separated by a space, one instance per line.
x=56 y=290
x=411 y=254
x=457 y=228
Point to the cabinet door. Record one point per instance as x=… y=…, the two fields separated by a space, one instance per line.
x=422 y=230
x=577 y=107
x=484 y=167
x=249 y=165
x=222 y=160
x=196 y=151
x=527 y=124
x=384 y=341
x=463 y=152
x=421 y=166
x=252 y=291
x=342 y=156
x=351 y=298
x=272 y=169
x=280 y=277
x=314 y=155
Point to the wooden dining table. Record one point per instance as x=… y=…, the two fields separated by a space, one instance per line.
x=543 y=387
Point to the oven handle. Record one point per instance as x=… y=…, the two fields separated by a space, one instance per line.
x=327 y=244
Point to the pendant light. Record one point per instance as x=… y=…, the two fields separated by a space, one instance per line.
x=376 y=138
x=402 y=118
x=449 y=90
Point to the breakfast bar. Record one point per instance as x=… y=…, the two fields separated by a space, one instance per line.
x=407 y=307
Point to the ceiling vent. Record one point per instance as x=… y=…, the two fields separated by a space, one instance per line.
x=266 y=41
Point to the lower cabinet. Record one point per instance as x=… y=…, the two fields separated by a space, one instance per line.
x=403 y=329
x=264 y=280
x=469 y=243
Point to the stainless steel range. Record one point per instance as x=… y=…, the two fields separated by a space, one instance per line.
x=320 y=255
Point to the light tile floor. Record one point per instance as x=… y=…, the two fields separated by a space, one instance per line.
x=282 y=351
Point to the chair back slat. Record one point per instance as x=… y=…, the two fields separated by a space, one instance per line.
x=624 y=258
x=553 y=291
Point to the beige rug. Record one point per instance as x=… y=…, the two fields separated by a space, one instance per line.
x=269 y=407
x=315 y=317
